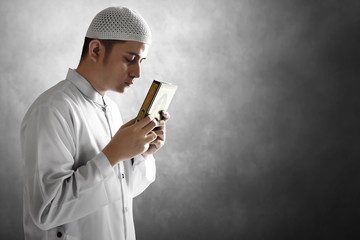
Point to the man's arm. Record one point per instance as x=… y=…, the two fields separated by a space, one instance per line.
x=55 y=193
x=144 y=169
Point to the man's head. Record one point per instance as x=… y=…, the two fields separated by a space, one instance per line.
x=117 y=38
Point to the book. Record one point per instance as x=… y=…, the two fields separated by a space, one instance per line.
x=157 y=99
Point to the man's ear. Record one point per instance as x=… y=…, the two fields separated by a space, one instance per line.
x=96 y=50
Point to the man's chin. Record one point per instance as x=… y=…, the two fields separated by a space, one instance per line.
x=122 y=90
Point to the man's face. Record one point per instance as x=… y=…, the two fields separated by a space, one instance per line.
x=123 y=65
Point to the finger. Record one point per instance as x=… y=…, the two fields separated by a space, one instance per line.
x=129 y=123
x=161 y=125
x=165 y=115
x=157 y=143
x=150 y=127
x=145 y=121
x=160 y=134
x=150 y=137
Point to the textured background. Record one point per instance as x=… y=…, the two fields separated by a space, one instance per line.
x=264 y=137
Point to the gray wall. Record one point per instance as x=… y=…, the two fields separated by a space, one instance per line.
x=263 y=140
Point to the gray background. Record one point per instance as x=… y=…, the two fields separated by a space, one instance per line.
x=264 y=137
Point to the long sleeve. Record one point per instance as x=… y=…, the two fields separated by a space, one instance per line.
x=144 y=173
x=57 y=193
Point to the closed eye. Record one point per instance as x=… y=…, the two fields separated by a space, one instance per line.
x=133 y=59
x=134 y=56
x=129 y=60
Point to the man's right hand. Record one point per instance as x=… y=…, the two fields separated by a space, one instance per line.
x=130 y=140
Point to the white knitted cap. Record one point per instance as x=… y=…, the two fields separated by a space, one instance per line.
x=119 y=23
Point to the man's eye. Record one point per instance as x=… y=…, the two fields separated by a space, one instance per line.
x=129 y=59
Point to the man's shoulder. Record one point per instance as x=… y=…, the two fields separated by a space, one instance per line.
x=60 y=93
x=59 y=98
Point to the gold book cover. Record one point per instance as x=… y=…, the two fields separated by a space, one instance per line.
x=157 y=99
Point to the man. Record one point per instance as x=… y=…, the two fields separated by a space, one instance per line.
x=82 y=169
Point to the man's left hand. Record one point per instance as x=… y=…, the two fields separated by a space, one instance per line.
x=160 y=131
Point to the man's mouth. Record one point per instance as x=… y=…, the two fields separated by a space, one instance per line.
x=129 y=84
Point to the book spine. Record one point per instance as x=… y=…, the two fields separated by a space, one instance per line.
x=148 y=100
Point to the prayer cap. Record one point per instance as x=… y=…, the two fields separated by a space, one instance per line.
x=119 y=23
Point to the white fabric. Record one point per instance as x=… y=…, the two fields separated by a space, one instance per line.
x=70 y=189
x=119 y=23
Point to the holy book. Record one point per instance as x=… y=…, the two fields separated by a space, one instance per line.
x=157 y=99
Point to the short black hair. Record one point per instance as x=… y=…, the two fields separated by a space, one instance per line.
x=107 y=43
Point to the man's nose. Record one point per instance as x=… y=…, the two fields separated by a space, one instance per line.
x=135 y=71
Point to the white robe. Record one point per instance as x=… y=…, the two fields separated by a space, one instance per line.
x=70 y=189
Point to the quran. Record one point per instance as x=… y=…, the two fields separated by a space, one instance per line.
x=157 y=99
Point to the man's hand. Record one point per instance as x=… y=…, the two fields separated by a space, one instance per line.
x=160 y=132
x=131 y=139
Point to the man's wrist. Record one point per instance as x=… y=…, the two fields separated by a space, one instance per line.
x=111 y=156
